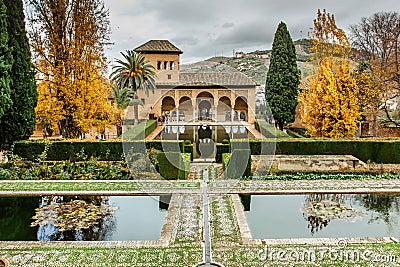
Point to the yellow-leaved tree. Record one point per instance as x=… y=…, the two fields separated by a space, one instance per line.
x=68 y=40
x=330 y=105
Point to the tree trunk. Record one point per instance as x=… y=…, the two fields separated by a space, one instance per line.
x=136 y=113
x=119 y=130
x=280 y=124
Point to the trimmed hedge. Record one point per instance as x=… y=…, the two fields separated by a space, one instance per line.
x=140 y=131
x=237 y=167
x=174 y=165
x=77 y=150
x=221 y=149
x=373 y=150
x=225 y=160
x=268 y=130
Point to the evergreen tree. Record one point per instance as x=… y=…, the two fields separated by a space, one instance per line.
x=19 y=120
x=5 y=63
x=283 y=78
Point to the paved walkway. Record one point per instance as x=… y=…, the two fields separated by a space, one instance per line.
x=254 y=132
x=155 y=133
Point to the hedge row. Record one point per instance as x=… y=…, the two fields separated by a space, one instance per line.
x=373 y=150
x=237 y=164
x=82 y=150
x=140 y=131
x=268 y=130
x=174 y=165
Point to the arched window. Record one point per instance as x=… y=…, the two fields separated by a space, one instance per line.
x=159 y=65
x=165 y=65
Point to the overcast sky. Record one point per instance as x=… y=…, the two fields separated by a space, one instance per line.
x=206 y=28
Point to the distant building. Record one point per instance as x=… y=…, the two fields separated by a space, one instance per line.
x=239 y=54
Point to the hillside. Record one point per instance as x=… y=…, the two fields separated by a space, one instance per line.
x=255 y=64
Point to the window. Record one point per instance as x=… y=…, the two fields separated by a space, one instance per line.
x=143 y=101
x=159 y=65
x=169 y=76
x=171 y=65
x=165 y=65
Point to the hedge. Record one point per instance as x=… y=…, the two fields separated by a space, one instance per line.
x=77 y=150
x=268 y=130
x=174 y=165
x=239 y=164
x=221 y=149
x=225 y=160
x=373 y=150
x=140 y=131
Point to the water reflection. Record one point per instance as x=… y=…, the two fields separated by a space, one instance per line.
x=137 y=218
x=15 y=215
x=338 y=215
x=101 y=229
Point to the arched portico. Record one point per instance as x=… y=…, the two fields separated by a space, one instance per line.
x=241 y=109
x=205 y=106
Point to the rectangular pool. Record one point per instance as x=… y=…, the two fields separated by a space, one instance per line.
x=134 y=218
x=341 y=215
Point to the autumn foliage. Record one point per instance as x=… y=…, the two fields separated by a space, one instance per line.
x=330 y=105
x=68 y=40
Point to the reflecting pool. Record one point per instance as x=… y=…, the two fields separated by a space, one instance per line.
x=132 y=218
x=323 y=215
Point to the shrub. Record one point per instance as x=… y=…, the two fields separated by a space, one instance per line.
x=111 y=150
x=174 y=165
x=221 y=148
x=269 y=131
x=140 y=131
x=239 y=164
x=225 y=160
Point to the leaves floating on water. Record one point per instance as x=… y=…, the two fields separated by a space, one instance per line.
x=73 y=215
x=319 y=214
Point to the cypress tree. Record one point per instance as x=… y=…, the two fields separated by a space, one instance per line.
x=19 y=121
x=283 y=78
x=5 y=64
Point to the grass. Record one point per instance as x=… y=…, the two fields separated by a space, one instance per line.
x=76 y=186
x=102 y=256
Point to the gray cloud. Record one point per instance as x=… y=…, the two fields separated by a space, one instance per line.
x=206 y=28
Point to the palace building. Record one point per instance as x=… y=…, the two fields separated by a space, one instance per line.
x=199 y=102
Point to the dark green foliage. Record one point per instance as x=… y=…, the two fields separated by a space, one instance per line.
x=5 y=64
x=268 y=130
x=19 y=120
x=221 y=148
x=140 y=131
x=64 y=170
x=72 y=150
x=188 y=148
x=225 y=160
x=283 y=78
x=378 y=151
x=174 y=165
x=239 y=164
x=15 y=217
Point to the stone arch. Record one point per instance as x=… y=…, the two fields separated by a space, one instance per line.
x=241 y=109
x=185 y=108
x=167 y=104
x=224 y=109
x=205 y=105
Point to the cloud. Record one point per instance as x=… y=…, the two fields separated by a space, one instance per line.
x=206 y=28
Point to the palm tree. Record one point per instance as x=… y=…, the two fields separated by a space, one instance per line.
x=133 y=72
